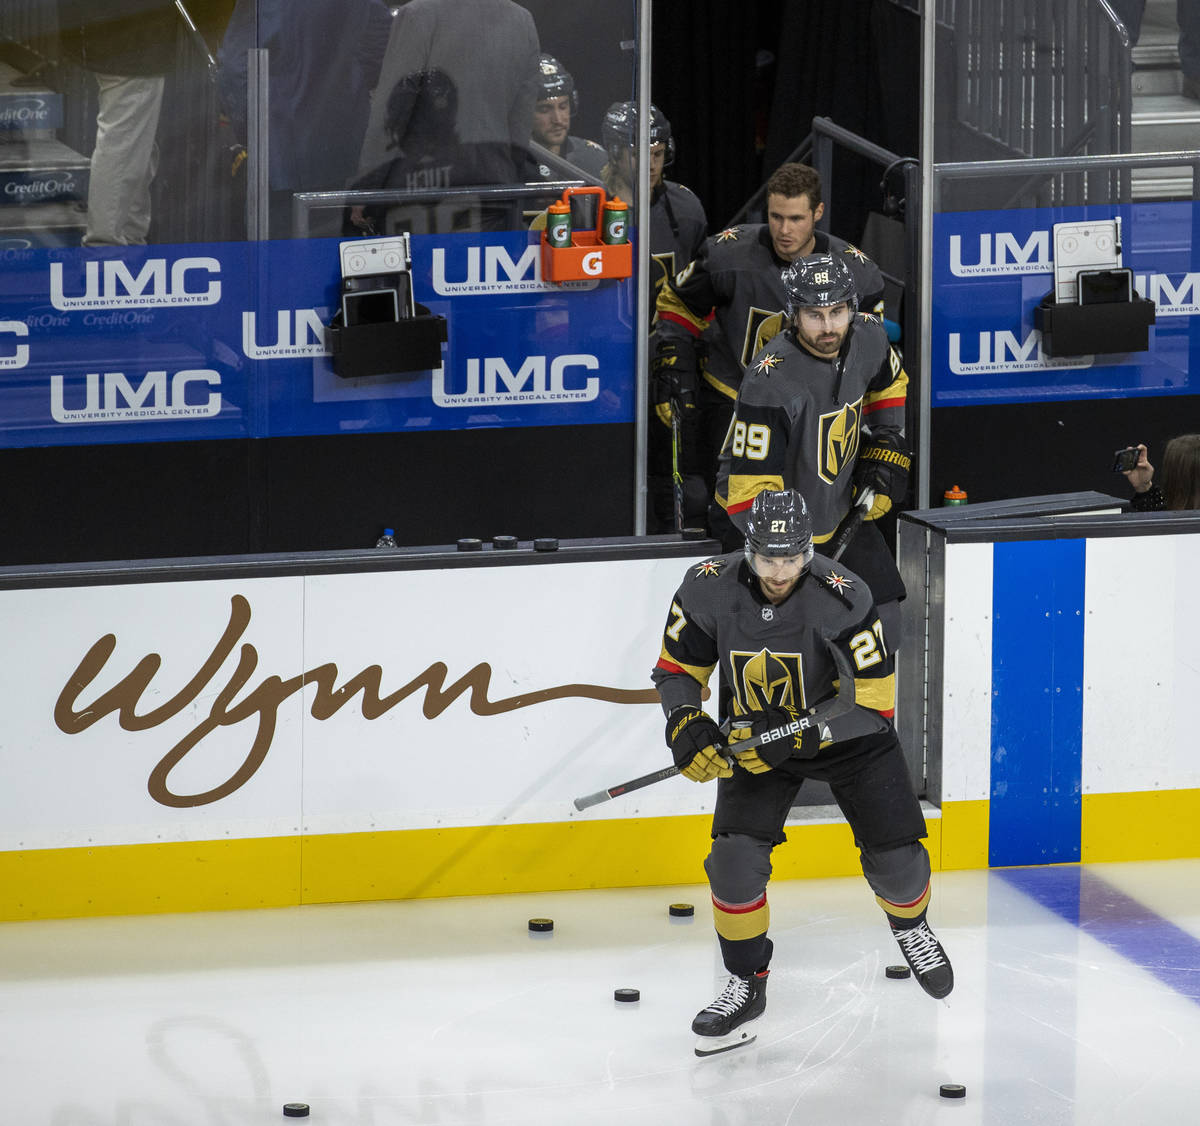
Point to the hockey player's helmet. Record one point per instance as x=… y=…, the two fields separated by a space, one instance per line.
x=818 y=281
x=779 y=526
x=619 y=131
x=555 y=81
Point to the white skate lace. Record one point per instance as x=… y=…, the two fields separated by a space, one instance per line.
x=732 y=997
x=921 y=948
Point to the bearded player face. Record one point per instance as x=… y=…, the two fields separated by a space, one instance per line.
x=822 y=328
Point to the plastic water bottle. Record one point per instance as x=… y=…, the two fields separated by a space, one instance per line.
x=388 y=539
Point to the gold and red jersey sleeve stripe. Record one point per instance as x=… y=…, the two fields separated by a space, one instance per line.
x=877 y=694
x=742 y=490
x=670 y=664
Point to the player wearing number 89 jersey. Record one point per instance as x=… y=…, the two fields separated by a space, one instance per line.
x=784 y=626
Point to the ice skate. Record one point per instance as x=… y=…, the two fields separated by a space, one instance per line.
x=726 y=1023
x=927 y=958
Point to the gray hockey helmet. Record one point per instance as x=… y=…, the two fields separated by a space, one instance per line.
x=819 y=281
x=620 y=128
x=555 y=81
x=779 y=525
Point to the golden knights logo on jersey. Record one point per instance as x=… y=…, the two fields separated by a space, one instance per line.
x=764 y=678
x=837 y=440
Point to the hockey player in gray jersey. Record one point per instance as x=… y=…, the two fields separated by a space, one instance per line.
x=733 y=285
x=821 y=410
x=799 y=643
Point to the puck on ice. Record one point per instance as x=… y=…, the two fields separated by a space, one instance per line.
x=627 y=995
x=681 y=910
x=952 y=1091
x=898 y=971
x=541 y=924
x=295 y=1110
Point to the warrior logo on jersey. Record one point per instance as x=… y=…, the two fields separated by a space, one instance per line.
x=770 y=360
x=729 y=234
x=709 y=567
x=763 y=679
x=840 y=583
x=837 y=440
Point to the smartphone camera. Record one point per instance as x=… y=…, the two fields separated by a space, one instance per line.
x=1125 y=460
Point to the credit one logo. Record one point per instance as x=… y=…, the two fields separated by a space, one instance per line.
x=298 y=332
x=1005 y=351
x=21 y=356
x=112 y=284
x=26 y=112
x=491 y=269
x=1001 y=253
x=538 y=379
x=111 y=397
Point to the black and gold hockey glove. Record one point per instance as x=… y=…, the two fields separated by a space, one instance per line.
x=882 y=465
x=803 y=743
x=672 y=379
x=697 y=745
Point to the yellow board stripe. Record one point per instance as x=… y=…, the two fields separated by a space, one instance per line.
x=1158 y=825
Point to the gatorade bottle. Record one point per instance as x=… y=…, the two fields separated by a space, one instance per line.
x=558 y=225
x=616 y=222
x=954 y=495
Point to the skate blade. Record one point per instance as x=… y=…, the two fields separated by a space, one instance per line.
x=714 y=1045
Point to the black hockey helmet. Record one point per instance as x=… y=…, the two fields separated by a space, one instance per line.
x=555 y=81
x=818 y=281
x=779 y=525
x=620 y=127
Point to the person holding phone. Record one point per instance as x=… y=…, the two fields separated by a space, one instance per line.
x=1181 y=475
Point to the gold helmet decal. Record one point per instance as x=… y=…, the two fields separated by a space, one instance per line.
x=838 y=440
x=764 y=678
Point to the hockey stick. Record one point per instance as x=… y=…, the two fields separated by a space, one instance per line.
x=820 y=715
x=676 y=476
x=853 y=521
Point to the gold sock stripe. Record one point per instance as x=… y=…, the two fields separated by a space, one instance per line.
x=905 y=910
x=742 y=923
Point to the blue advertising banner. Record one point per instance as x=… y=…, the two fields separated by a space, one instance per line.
x=222 y=340
x=992 y=268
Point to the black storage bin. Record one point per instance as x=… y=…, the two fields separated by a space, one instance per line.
x=1085 y=330
x=409 y=344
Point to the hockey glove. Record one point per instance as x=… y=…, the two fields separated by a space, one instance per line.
x=882 y=465
x=672 y=379
x=803 y=743
x=696 y=745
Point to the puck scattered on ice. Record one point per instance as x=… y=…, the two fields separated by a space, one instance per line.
x=898 y=971
x=541 y=924
x=952 y=1091
x=681 y=910
x=545 y=543
x=295 y=1110
x=627 y=995
x=504 y=543
x=470 y=545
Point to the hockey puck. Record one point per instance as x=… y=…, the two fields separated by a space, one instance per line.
x=541 y=924
x=545 y=543
x=898 y=972
x=695 y=534
x=681 y=910
x=470 y=545
x=627 y=995
x=504 y=543
x=295 y=1110
x=952 y=1091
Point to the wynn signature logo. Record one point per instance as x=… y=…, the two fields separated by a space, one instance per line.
x=261 y=703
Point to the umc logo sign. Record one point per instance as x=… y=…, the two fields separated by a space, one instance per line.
x=1001 y=253
x=1002 y=350
x=491 y=269
x=538 y=379
x=111 y=397
x=20 y=354
x=113 y=284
